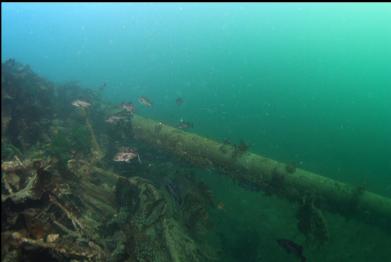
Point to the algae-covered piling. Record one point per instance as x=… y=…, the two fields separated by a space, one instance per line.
x=266 y=174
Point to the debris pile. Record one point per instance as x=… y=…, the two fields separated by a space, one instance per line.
x=59 y=200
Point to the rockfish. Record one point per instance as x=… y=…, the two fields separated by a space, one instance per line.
x=128 y=107
x=145 y=101
x=80 y=103
x=126 y=155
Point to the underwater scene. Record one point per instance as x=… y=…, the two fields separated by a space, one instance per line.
x=196 y=132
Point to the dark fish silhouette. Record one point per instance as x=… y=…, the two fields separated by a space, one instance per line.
x=292 y=248
x=185 y=124
x=179 y=101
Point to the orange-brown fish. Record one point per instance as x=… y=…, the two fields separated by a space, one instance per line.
x=145 y=101
x=126 y=155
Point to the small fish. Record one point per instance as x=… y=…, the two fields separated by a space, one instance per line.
x=114 y=119
x=184 y=124
x=128 y=107
x=52 y=238
x=126 y=154
x=81 y=104
x=179 y=101
x=292 y=248
x=145 y=101
x=220 y=205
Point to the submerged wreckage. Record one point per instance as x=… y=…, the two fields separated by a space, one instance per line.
x=59 y=200
x=64 y=198
x=268 y=175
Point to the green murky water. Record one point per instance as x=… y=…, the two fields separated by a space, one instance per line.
x=308 y=84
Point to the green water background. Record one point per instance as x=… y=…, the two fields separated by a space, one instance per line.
x=303 y=83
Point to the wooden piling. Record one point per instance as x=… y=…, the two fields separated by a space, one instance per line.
x=265 y=174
